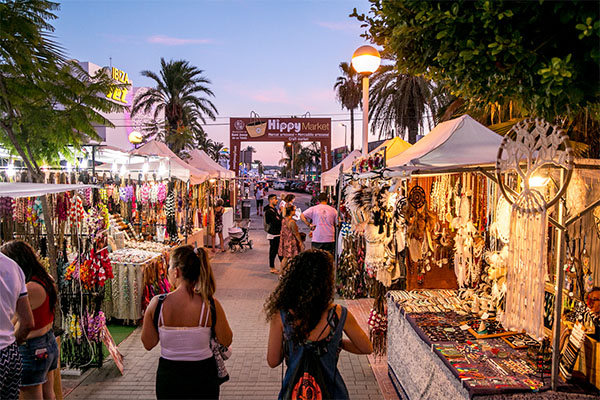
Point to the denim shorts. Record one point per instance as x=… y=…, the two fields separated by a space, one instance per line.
x=39 y=355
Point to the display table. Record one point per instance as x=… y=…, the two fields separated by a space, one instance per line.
x=196 y=239
x=424 y=365
x=134 y=283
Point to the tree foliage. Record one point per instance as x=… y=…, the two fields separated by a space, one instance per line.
x=400 y=102
x=349 y=92
x=541 y=55
x=179 y=103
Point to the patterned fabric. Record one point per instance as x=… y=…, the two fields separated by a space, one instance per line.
x=10 y=372
x=288 y=244
x=219 y=220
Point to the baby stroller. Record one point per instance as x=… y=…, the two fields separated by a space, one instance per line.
x=239 y=238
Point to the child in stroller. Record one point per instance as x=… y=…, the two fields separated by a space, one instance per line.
x=239 y=238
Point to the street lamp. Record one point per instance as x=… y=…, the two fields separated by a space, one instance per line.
x=345 y=131
x=366 y=60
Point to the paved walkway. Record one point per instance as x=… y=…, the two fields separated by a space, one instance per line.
x=243 y=283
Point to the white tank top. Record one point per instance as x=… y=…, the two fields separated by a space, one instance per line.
x=185 y=343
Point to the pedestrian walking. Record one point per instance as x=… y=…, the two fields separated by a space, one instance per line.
x=305 y=322
x=219 y=211
x=291 y=242
x=14 y=302
x=39 y=353
x=288 y=199
x=273 y=220
x=323 y=220
x=182 y=322
x=259 y=195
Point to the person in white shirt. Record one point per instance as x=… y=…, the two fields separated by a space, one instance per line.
x=14 y=307
x=259 y=195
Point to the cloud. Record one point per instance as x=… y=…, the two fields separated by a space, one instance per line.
x=173 y=41
x=339 y=26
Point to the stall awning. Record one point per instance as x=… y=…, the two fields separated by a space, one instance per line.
x=16 y=190
x=159 y=149
x=393 y=147
x=460 y=141
x=199 y=159
x=328 y=178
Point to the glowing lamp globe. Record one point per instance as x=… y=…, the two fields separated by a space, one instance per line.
x=366 y=60
x=135 y=137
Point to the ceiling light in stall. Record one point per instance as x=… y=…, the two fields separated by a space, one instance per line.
x=123 y=170
x=162 y=169
x=115 y=168
x=146 y=167
x=538 y=181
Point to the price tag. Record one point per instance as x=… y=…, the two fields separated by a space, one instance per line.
x=464 y=327
x=485 y=316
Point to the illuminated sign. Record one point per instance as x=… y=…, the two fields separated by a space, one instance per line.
x=119 y=94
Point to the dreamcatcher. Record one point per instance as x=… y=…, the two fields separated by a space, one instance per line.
x=536 y=144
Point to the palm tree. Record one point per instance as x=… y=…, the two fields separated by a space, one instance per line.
x=181 y=96
x=348 y=93
x=400 y=102
x=215 y=150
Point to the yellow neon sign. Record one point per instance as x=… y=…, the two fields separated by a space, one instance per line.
x=119 y=94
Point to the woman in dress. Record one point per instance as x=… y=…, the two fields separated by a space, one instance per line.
x=187 y=368
x=290 y=242
x=219 y=210
x=302 y=313
x=40 y=350
x=287 y=200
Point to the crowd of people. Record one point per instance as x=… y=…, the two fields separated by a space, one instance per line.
x=189 y=323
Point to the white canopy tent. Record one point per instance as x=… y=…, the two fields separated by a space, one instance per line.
x=16 y=190
x=199 y=159
x=159 y=149
x=460 y=141
x=328 y=178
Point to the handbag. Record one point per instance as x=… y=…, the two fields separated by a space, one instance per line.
x=220 y=352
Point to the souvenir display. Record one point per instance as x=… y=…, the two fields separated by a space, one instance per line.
x=528 y=233
x=571 y=351
x=520 y=341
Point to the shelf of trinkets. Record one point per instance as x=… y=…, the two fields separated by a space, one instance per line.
x=424 y=301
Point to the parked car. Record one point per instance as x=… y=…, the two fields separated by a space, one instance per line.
x=301 y=186
x=279 y=185
x=288 y=185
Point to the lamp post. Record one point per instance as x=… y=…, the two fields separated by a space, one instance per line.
x=366 y=60
x=345 y=137
x=292 y=166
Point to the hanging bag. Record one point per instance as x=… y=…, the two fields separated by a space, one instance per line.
x=257 y=127
x=220 y=352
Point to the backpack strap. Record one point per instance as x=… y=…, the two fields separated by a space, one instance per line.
x=161 y=299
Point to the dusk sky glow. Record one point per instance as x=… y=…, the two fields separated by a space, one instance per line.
x=278 y=58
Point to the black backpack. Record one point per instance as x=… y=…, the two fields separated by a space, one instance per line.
x=308 y=380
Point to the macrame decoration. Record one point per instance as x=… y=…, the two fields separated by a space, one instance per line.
x=466 y=265
x=576 y=194
x=530 y=145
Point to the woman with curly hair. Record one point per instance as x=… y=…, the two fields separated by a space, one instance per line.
x=302 y=314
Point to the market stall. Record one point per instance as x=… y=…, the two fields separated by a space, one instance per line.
x=442 y=218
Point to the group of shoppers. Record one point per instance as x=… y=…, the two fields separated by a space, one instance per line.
x=28 y=348
x=285 y=239
x=184 y=320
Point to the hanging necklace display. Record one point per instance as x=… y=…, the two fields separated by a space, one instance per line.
x=527 y=148
x=597 y=219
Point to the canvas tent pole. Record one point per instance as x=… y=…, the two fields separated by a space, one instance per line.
x=559 y=283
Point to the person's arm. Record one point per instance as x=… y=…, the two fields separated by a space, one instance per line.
x=297 y=235
x=358 y=342
x=307 y=213
x=25 y=322
x=149 y=332
x=275 y=345
x=222 y=329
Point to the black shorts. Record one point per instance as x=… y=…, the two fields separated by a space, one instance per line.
x=259 y=203
x=327 y=246
x=187 y=379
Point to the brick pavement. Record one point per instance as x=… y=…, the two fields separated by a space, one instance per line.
x=243 y=283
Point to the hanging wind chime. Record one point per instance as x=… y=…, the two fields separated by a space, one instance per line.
x=530 y=145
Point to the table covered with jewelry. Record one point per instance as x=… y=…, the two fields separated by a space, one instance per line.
x=437 y=350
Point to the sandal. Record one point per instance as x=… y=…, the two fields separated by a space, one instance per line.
x=274 y=271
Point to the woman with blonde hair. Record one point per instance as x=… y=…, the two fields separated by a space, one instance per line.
x=182 y=322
